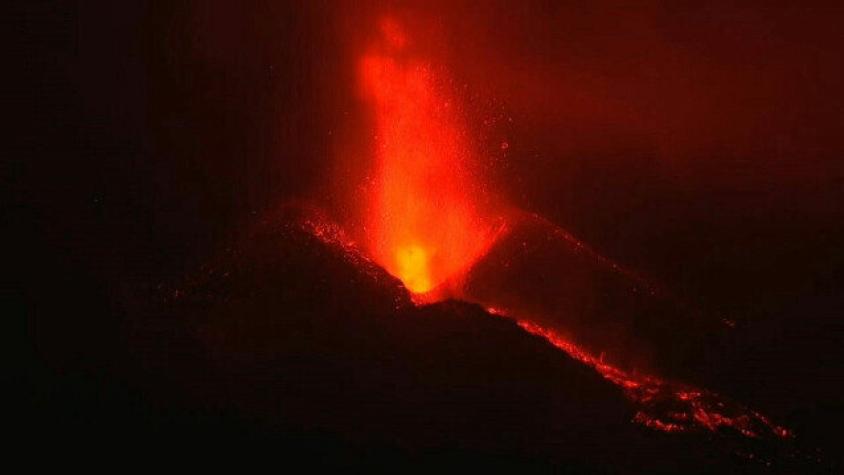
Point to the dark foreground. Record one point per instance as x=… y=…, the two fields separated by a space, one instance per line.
x=301 y=350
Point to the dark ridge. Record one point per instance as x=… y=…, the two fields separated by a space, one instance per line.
x=285 y=345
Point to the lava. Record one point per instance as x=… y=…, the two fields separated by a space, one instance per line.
x=662 y=405
x=425 y=223
x=665 y=405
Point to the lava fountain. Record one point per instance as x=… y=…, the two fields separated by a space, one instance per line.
x=426 y=223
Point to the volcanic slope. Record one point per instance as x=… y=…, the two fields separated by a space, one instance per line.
x=295 y=340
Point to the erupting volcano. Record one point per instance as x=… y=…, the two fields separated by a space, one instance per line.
x=444 y=235
x=430 y=224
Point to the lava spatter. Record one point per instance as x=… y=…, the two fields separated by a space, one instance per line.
x=425 y=224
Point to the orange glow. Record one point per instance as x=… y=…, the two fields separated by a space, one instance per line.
x=413 y=268
x=424 y=224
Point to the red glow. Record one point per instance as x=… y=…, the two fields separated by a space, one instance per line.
x=424 y=226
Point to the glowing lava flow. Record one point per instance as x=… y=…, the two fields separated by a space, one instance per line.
x=666 y=406
x=661 y=405
x=423 y=225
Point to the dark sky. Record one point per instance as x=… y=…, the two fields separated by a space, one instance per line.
x=629 y=125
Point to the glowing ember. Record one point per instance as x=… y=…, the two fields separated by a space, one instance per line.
x=424 y=227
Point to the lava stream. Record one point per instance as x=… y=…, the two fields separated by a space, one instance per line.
x=662 y=405
x=667 y=406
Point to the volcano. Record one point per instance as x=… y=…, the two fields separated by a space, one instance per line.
x=429 y=235
x=342 y=360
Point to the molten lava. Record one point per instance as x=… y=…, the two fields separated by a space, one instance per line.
x=426 y=225
x=665 y=405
